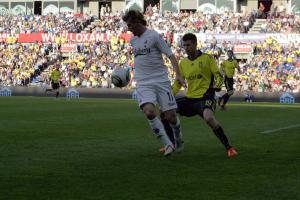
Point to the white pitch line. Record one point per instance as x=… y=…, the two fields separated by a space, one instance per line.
x=279 y=129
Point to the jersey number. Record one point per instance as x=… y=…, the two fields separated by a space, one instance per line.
x=208 y=103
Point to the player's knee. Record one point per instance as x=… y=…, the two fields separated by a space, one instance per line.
x=211 y=122
x=207 y=119
x=149 y=111
x=171 y=116
x=162 y=116
x=150 y=114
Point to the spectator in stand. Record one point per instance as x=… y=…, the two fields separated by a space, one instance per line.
x=272 y=67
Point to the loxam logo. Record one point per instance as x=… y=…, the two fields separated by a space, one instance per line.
x=77 y=37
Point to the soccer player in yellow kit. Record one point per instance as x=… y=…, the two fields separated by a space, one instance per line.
x=228 y=66
x=203 y=80
x=55 y=76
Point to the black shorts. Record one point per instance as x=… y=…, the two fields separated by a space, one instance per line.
x=55 y=86
x=229 y=83
x=189 y=107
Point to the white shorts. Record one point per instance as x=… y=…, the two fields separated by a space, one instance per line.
x=160 y=93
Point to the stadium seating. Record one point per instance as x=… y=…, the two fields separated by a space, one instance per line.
x=271 y=66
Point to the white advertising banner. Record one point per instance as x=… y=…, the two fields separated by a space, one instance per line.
x=244 y=38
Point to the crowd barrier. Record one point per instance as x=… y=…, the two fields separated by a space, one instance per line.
x=127 y=94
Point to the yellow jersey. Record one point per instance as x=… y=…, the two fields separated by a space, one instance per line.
x=229 y=67
x=202 y=76
x=55 y=75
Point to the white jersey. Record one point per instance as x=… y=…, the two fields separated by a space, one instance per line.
x=148 y=61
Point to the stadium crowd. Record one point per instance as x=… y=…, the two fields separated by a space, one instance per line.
x=15 y=24
x=20 y=62
x=271 y=66
x=284 y=24
x=198 y=22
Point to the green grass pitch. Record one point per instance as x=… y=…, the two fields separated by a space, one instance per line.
x=104 y=149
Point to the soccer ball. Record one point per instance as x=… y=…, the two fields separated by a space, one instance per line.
x=120 y=77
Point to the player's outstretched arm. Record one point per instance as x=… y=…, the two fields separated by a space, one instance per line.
x=176 y=87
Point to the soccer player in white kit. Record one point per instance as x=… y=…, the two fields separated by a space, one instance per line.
x=152 y=82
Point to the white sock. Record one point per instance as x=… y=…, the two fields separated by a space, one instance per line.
x=176 y=129
x=159 y=131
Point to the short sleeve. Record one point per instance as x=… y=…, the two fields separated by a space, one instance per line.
x=161 y=44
